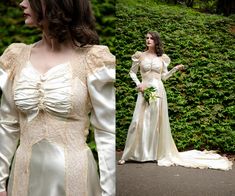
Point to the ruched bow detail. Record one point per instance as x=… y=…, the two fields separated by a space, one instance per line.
x=50 y=92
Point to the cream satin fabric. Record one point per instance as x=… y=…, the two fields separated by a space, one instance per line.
x=9 y=130
x=149 y=136
x=48 y=168
x=53 y=113
x=99 y=85
x=51 y=91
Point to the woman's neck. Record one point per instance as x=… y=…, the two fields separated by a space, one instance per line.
x=53 y=45
x=151 y=51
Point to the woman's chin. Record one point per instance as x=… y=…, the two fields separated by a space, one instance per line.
x=30 y=23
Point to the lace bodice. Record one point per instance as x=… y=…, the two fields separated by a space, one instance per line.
x=150 y=68
x=155 y=65
x=55 y=107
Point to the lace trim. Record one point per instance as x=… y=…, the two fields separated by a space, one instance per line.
x=99 y=56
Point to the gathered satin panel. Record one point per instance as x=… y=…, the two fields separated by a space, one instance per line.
x=52 y=113
x=50 y=92
x=149 y=136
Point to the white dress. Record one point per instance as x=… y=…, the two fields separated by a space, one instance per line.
x=44 y=123
x=149 y=136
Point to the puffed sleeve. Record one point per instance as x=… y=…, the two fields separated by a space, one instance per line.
x=135 y=66
x=165 y=73
x=9 y=124
x=100 y=82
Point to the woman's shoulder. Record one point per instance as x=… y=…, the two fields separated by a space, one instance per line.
x=99 y=56
x=14 y=48
x=137 y=56
x=98 y=50
x=11 y=53
x=166 y=59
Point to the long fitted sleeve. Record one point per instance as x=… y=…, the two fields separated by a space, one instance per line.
x=135 y=67
x=165 y=73
x=9 y=119
x=9 y=126
x=101 y=90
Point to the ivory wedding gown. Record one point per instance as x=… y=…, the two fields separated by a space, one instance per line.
x=44 y=121
x=149 y=136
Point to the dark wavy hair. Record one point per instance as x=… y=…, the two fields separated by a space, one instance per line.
x=158 y=43
x=67 y=19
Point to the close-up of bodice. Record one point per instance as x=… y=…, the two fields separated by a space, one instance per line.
x=50 y=91
x=151 y=65
x=50 y=114
x=151 y=68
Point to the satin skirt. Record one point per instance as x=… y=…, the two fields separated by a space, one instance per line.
x=48 y=174
x=149 y=137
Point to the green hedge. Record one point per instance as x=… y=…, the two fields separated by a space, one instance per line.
x=201 y=99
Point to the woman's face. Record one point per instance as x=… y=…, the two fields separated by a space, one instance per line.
x=149 y=41
x=30 y=17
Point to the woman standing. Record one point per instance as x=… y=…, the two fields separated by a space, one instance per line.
x=149 y=135
x=49 y=90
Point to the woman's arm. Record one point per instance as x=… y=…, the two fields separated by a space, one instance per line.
x=100 y=84
x=165 y=73
x=9 y=121
x=9 y=129
x=135 y=67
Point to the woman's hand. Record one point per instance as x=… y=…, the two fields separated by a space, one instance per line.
x=179 y=67
x=3 y=193
x=141 y=87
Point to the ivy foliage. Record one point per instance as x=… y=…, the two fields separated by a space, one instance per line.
x=201 y=99
x=104 y=11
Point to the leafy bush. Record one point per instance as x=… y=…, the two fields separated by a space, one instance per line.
x=201 y=99
x=224 y=7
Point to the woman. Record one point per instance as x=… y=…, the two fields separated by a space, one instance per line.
x=49 y=90
x=149 y=136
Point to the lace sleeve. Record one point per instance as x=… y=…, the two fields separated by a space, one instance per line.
x=100 y=82
x=9 y=58
x=135 y=67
